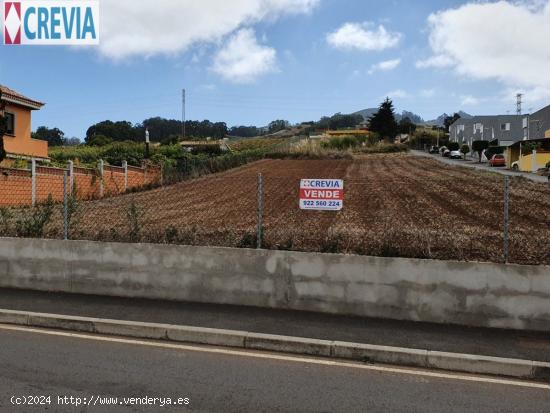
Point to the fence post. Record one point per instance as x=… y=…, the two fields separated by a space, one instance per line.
x=33 y=179
x=101 y=189
x=65 y=207
x=506 y=219
x=125 y=166
x=260 y=211
x=71 y=176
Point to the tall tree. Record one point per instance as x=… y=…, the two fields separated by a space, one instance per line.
x=160 y=130
x=244 y=131
x=2 y=129
x=117 y=131
x=278 y=125
x=479 y=147
x=383 y=122
x=406 y=126
x=54 y=137
x=449 y=120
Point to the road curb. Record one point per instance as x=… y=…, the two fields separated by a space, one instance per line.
x=466 y=363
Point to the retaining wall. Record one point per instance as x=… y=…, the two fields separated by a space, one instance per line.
x=472 y=294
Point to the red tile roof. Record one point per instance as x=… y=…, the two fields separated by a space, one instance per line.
x=12 y=96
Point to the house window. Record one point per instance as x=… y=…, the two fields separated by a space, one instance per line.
x=478 y=127
x=10 y=123
x=505 y=127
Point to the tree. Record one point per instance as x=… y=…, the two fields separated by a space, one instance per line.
x=117 y=131
x=479 y=147
x=383 y=122
x=244 y=131
x=54 y=137
x=99 y=140
x=160 y=130
x=406 y=126
x=464 y=149
x=74 y=141
x=339 y=121
x=449 y=120
x=278 y=125
x=3 y=126
x=453 y=146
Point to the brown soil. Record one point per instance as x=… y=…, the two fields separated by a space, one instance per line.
x=395 y=205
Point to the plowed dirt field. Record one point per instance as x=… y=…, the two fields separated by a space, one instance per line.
x=395 y=205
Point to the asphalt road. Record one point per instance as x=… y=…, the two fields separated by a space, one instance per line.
x=482 y=167
x=439 y=337
x=222 y=380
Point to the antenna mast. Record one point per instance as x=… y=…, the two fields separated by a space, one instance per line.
x=519 y=98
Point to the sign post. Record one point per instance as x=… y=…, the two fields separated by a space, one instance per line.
x=322 y=194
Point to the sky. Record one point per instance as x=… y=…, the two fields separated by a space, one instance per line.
x=247 y=62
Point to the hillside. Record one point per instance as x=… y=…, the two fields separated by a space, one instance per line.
x=367 y=113
x=439 y=121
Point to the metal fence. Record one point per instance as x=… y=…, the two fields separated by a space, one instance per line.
x=257 y=206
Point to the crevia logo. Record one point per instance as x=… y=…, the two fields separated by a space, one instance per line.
x=50 y=23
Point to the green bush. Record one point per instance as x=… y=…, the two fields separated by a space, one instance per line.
x=344 y=142
x=453 y=146
x=479 y=147
x=99 y=140
x=33 y=225
x=383 y=147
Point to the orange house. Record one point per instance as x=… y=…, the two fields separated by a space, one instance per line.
x=18 y=142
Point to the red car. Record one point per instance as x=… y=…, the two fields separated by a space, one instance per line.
x=497 y=160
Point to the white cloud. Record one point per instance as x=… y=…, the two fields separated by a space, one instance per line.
x=208 y=87
x=243 y=60
x=385 y=66
x=504 y=41
x=398 y=94
x=427 y=93
x=468 y=100
x=139 y=28
x=439 y=61
x=364 y=37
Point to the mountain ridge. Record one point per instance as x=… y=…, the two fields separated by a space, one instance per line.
x=417 y=119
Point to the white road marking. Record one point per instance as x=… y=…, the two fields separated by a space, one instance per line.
x=273 y=356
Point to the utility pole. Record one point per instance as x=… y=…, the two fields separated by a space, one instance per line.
x=183 y=114
x=519 y=98
x=147 y=140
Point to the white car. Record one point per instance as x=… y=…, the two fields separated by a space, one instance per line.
x=456 y=155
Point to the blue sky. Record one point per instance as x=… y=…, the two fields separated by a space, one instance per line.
x=261 y=60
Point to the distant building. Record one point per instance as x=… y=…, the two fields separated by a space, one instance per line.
x=537 y=125
x=505 y=129
x=533 y=152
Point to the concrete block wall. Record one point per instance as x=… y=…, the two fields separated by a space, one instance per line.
x=471 y=294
